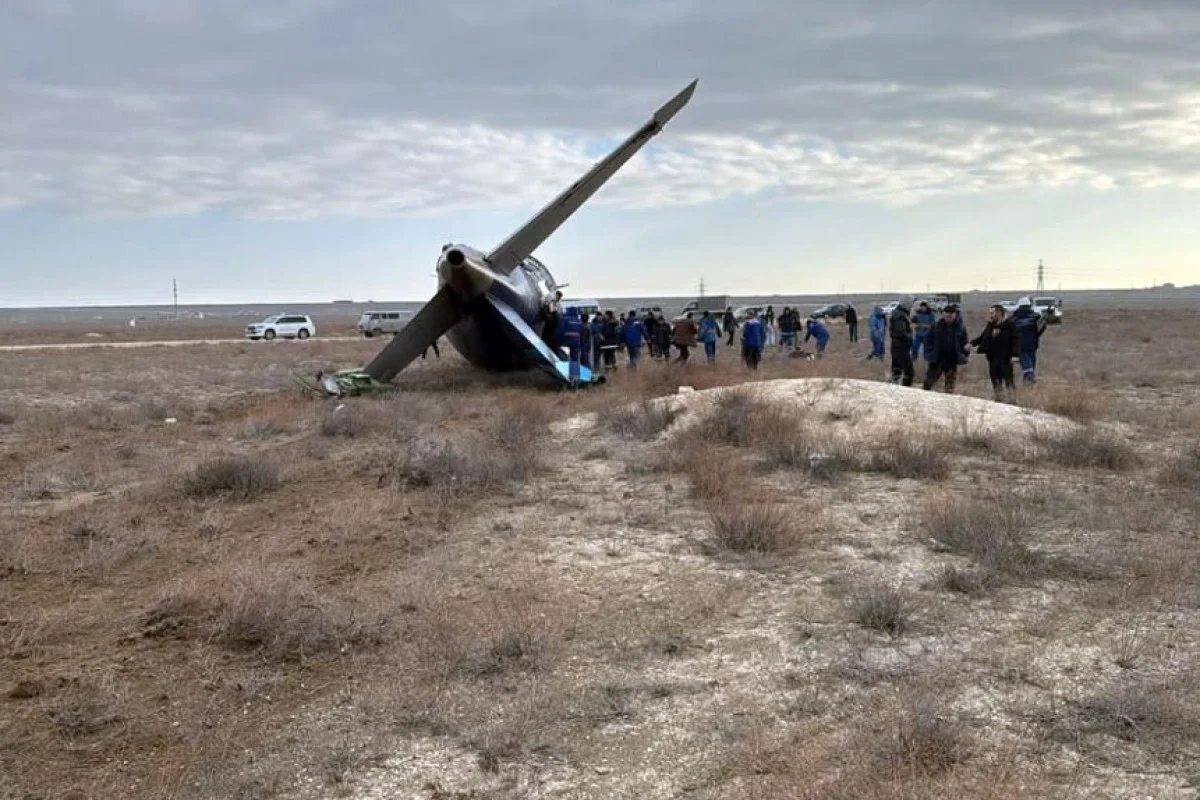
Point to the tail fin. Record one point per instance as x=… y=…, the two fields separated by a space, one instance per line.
x=508 y=254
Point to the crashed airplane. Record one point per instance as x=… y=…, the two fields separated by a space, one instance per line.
x=489 y=304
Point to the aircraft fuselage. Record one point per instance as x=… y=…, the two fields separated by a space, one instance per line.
x=479 y=336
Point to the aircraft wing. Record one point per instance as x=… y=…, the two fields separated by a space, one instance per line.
x=508 y=254
x=525 y=338
x=439 y=315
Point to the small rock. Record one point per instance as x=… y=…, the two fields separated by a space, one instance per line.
x=603 y=770
x=938 y=547
x=170 y=420
x=687 y=389
x=26 y=690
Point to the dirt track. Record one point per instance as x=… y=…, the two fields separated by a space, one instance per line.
x=16 y=348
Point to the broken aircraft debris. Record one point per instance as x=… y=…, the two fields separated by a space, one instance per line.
x=489 y=304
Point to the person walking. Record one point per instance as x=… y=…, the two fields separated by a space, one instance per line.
x=1029 y=330
x=729 y=324
x=572 y=339
x=877 y=325
x=585 y=340
x=710 y=332
x=949 y=349
x=788 y=321
x=612 y=340
x=815 y=329
x=633 y=334
x=923 y=320
x=597 y=340
x=852 y=323
x=999 y=343
x=753 y=340
x=684 y=337
x=901 y=332
x=651 y=326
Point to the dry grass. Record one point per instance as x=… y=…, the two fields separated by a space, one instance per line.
x=642 y=421
x=909 y=454
x=881 y=608
x=512 y=610
x=1080 y=403
x=1087 y=447
x=994 y=533
x=757 y=528
x=1183 y=468
x=232 y=476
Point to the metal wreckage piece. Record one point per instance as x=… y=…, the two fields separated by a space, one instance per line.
x=489 y=305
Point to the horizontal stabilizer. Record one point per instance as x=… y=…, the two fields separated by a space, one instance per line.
x=439 y=315
x=522 y=336
x=508 y=254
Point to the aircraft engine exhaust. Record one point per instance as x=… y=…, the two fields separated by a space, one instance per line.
x=455 y=257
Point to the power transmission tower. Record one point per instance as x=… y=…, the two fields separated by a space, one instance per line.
x=1041 y=287
x=702 y=287
x=175 y=293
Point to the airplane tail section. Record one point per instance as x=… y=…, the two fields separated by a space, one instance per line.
x=508 y=254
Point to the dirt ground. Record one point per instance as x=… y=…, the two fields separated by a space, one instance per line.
x=213 y=585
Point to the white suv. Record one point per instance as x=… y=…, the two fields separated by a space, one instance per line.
x=289 y=326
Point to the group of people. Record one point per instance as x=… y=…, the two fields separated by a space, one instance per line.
x=943 y=342
x=940 y=338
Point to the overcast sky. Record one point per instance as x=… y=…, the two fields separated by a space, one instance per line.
x=319 y=149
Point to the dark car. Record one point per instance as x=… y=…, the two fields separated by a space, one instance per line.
x=831 y=311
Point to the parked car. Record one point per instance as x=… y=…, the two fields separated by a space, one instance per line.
x=288 y=326
x=1050 y=308
x=587 y=306
x=742 y=313
x=377 y=323
x=831 y=311
x=713 y=304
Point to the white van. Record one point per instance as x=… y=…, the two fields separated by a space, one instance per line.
x=377 y=323
x=585 y=305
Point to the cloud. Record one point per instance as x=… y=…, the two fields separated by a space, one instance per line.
x=369 y=108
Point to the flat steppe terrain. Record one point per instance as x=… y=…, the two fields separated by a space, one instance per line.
x=801 y=582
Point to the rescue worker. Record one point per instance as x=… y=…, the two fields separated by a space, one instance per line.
x=572 y=339
x=852 y=323
x=877 y=328
x=1028 y=325
x=753 y=340
x=597 y=340
x=815 y=329
x=612 y=339
x=684 y=337
x=585 y=341
x=730 y=324
x=788 y=321
x=949 y=348
x=900 y=330
x=1000 y=344
x=651 y=326
x=710 y=332
x=663 y=331
x=552 y=314
x=633 y=334
x=923 y=320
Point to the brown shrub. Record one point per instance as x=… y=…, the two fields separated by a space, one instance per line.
x=926 y=739
x=732 y=420
x=1087 y=447
x=86 y=710
x=993 y=532
x=274 y=614
x=908 y=455
x=754 y=528
x=1183 y=469
x=881 y=608
x=234 y=476
x=1073 y=401
x=643 y=421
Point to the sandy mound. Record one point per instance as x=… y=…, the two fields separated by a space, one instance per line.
x=869 y=409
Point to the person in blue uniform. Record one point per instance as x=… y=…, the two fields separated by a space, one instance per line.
x=815 y=329
x=710 y=331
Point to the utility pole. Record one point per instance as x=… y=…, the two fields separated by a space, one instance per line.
x=1041 y=287
x=175 y=293
x=702 y=287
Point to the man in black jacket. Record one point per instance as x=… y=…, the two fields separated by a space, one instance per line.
x=852 y=323
x=1000 y=343
x=949 y=346
x=900 y=328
